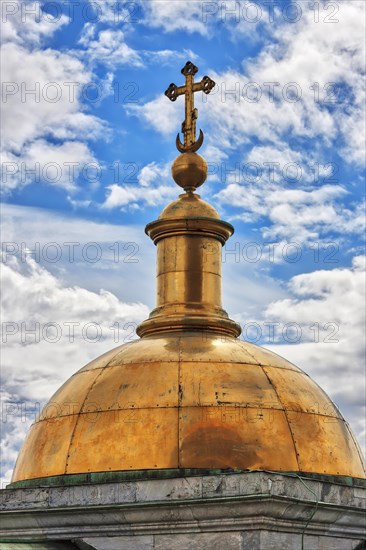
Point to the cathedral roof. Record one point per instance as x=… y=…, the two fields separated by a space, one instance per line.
x=189 y=393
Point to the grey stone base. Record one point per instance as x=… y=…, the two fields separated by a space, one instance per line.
x=253 y=540
x=226 y=511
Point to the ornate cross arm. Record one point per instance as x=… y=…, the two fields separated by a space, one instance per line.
x=189 y=124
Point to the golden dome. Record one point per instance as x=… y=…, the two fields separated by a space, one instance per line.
x=189 y=205
x=189 y=393
x=189 y=400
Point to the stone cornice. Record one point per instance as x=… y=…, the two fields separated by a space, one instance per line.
x=225 y=502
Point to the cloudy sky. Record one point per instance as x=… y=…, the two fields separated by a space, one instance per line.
x=88 y=140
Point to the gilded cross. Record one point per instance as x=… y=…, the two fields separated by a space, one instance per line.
x=189 y=124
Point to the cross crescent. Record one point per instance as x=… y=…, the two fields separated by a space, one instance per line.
x=189 y=89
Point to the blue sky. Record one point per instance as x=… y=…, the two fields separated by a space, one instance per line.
x=86 y=159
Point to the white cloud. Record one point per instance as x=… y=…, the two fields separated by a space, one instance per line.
x=56 y=165
x=125 y=251
x=109 y=48
x=279 y=162
x=54 y=109
x=168 y=57
x=155 y=187
x=110 y=11
x=43 y=91
x=131 y=196
x=150 y=173
x=15 y=426
x=173 y=16
x=26 y=22
x=334 y=53
x=295 y=214
x=352 y=127
x=201 y=17
x=163 y=115
x=47 y=298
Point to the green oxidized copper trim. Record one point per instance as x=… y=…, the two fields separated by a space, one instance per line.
x=141 y=475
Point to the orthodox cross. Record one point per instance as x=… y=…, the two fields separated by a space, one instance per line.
x=189 y=124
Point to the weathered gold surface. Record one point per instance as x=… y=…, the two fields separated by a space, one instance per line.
x=45 y=449
x=189 y=205
x=125 y=437
x=234 y=437
x=190 y=401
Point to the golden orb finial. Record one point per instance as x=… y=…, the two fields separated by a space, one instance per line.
x=189 y=171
